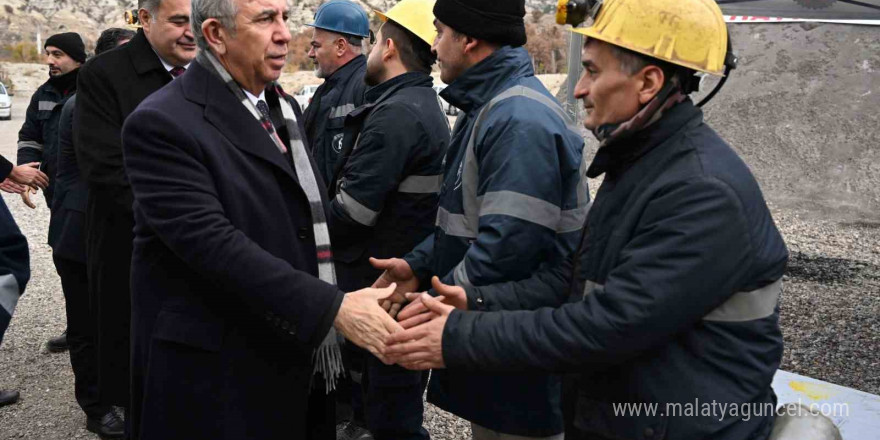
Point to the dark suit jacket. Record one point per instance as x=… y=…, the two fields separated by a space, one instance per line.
x=226 y=306
x=67 y=234
x=110 y=87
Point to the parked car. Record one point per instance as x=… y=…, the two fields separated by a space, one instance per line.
x=304 y=96
x=448 y=109
x=5 y=103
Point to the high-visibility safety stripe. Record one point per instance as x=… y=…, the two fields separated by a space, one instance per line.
x=421 y=184
x=455 y=225
x=521 y=206
x=9 y=293
x=341 y=111
x=740 y=307
x=30 y=144
x=510 y=203
x=460 y=276
x=46 y=106
x=748 y=306
x=356 y=210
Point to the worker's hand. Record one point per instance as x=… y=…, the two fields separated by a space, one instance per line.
x=12 y=187
x=396 y=271
x=26 y=198
x=363 y=322
x=452 y=295
x=30 y=175
x=421 y=346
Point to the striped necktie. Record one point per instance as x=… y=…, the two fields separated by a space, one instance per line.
x=177 y=71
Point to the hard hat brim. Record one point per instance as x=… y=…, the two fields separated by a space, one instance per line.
x=589 y=32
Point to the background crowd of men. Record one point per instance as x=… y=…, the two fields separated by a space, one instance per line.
x=236 y=268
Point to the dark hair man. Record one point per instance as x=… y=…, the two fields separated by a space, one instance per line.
x=38 y=137
x=384 y=195
x=68 y=240
x=234 y=303
x=340 y=27
x=110 y=87
x=513 y=199
x=673 y=294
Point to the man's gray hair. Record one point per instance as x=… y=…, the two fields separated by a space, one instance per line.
x=152 y=6
x=202 y=10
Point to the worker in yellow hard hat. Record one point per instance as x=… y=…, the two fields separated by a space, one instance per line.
x=384 y=196
x=667 y=314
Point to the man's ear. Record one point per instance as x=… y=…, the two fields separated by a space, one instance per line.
x=144 y=18
x=390 y=49
x=215 y=34
x=341 y=44
x=470 y=43
x=651 y=80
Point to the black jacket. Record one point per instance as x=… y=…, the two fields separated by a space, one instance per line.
x=325 y=116
x=678 y=228
x=226 y=304
x=38 y=137
x=384 y=197
x=67 y=234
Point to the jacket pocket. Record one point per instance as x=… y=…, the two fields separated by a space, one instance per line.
x=202 y=333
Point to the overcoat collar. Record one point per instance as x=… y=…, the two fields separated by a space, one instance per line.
x=231 y=118
x=143 y=57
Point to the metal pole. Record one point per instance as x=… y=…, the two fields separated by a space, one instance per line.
x=575 y=44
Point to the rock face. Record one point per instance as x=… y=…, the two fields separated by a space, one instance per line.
x=21 y=19
x=802 y=110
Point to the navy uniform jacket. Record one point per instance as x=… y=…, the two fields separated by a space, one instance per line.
x=673 y=298
x=523 y=179
x=325 y=116
x=384 y=198
x=38 y=137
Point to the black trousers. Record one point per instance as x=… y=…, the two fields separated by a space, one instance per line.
x=109 y=237
x=81 y=329
x=393 y=405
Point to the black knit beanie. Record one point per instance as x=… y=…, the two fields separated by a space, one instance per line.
x=70 y=43
x=496 y=21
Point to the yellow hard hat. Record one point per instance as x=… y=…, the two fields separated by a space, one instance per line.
x=689 y=33
x=416 y=16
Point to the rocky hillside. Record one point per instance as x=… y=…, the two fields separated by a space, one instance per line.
x=20 y=20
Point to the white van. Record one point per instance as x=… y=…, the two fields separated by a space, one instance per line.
x=5 y=103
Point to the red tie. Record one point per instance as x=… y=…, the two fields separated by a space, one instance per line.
x=177 y=71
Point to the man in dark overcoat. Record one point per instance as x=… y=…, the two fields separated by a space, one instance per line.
x=110 y=87
x=235 y=310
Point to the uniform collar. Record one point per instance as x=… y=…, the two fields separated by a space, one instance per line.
x=406 y=80
x=615 y=157
x=483 y=81
x=344 y=72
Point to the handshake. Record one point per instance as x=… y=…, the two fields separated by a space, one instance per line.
x=375 y=318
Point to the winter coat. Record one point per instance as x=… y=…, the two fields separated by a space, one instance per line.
x=384 y=197
x=673 y=300
x=341 y=93
x=38 y=137
x=67 y=234
x=512 y=199
x=15 y=268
